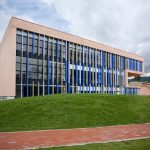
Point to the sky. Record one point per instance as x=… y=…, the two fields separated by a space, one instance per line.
x=121 y=24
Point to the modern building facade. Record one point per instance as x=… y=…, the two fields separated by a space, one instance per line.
x=36 y=60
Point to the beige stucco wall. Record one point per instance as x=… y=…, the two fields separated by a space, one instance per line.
x=145 y=89
x=8 y=62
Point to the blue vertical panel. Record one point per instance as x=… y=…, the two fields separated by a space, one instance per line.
x=89 y=80
x=124 y=63
x=116 y=77
x=122 y=66
x=103 y=59
x=98 y=76
x=110 y=68
x=48 y=80
x=112 y=60
x=80 y=79
x=136 y=65
x=76 y=75
x=43 y=55
x=92 y=87
x=53 y=71
x=101 y=69
x=76 y=68
x=68 y=68
x=56 y=60
x=103 y=66
x=53 y=66
x=140 y=64
x=27 y=76
x=100 y=79
x=83 y=66
x=107 y=76
x=21 y=62
x=132 y=64
x=33 y=43
x=80 y=73
x=129 y=64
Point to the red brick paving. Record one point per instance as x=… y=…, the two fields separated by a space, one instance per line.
x=53 y=138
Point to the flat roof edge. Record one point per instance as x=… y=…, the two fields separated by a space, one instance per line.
x=75 y=37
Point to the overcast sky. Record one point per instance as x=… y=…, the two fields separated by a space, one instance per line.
x=121 y=24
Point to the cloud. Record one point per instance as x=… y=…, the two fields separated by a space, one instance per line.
x=121 y=24
x=6 y=12
x=31 y=11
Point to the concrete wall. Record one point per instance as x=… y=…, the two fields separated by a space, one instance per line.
x=145 y=89
x=8 y=62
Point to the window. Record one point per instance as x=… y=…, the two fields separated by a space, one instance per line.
x=19 y=39
x=19 y=47
x=24 y=40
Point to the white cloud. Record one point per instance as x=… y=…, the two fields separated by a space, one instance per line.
x=5 y=20
x=121 y=24
x=6 y=12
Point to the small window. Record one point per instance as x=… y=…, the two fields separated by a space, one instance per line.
x=19 y=39
x=24 y=40
x=19 y=47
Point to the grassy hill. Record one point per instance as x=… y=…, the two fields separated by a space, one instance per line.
x=73 y=111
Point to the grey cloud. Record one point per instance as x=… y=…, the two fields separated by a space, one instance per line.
x=121 y=24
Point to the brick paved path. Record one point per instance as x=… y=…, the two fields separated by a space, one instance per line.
x=52 y=138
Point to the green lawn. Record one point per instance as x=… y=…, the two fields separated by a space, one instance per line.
x=73 y=111
x=127 y=145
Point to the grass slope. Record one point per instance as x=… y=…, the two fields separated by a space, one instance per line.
x=127 y=145
x=73 y=111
